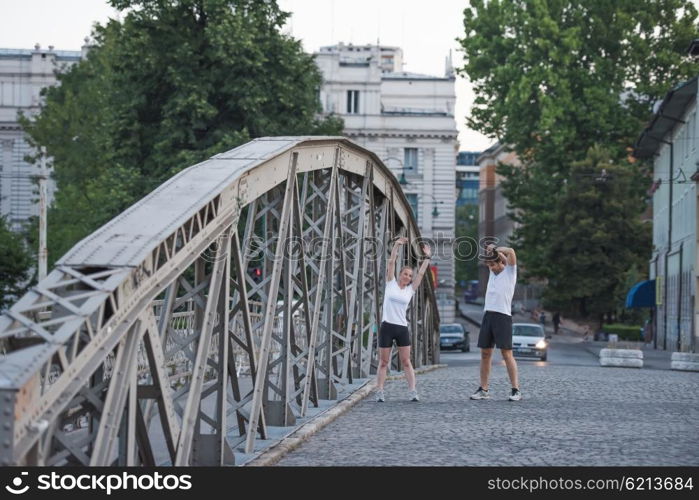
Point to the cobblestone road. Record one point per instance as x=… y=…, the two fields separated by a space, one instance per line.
x=569 y=416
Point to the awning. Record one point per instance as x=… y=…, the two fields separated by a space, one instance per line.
x=642 y=294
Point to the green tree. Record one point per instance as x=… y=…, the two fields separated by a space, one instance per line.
x=15 y=265
x=467 y=230
x=599 y=237
x=554 y=78
x=167 y=87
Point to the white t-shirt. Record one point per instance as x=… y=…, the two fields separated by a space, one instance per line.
x=501 y=288
x=395 y=302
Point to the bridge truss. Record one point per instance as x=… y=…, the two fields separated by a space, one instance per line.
x=228 y=301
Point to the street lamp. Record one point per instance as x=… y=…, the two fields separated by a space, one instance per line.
x=435 y=212
x=404 y=182
x=401 y=180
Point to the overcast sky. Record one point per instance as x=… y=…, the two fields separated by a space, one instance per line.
x=426 y=31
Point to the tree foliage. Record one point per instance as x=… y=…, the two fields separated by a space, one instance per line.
x=15 y=265
x=553 y=79
x=166 y=87
x=466 y=230
x=598 y=236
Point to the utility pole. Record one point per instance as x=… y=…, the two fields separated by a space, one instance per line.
x=43 y=195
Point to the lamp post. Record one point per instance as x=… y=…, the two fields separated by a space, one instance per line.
x=401 y=179
x=43 y=200
x=435 y=202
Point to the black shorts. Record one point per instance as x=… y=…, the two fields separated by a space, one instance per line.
x=390 y=331
x=496 y=329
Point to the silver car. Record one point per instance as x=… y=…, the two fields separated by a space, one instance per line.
x=529 y=339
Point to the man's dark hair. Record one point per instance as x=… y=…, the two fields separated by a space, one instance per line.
x=492 y=257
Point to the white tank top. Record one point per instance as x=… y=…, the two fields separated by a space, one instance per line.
x=395 y=303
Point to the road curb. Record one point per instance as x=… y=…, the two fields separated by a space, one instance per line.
x=303 y=433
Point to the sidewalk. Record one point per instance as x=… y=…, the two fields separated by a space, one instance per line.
x=473 y=313
x=567 y=332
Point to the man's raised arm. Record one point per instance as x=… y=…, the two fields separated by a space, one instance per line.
x=509 y=254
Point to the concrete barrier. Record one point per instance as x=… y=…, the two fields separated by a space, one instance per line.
x=685 y=361
x=623 y=358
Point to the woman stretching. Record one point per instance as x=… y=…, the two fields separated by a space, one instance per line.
x=394 y=326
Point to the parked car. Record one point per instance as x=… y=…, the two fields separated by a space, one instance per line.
x=454 y=336
x=529 y=339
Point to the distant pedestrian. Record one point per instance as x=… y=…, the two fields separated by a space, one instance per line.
x=647 y=332
x=542 y=319
x=394 y=325
x=556 y=321
x=496 y=326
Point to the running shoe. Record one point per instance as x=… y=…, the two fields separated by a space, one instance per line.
x=412 y=395
x=481 y=394
x=380 y=398
x=516 y=395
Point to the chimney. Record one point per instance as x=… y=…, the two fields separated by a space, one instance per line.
x=85 y=48
x=448 y=66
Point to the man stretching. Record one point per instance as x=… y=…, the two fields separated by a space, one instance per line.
x=496 y=327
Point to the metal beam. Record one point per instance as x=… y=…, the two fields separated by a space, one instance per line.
x=271 y=305
x=319 y=289
x=192 y=407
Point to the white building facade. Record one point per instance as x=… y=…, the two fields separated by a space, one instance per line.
x=407 y=119
x=23 y=73
x=670 y=142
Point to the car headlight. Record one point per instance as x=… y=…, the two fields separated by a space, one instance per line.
x=541 y=344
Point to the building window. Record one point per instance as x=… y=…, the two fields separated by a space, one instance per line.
x=410 y=159
x=353 y=102
x=387 y=62
x=412 y=199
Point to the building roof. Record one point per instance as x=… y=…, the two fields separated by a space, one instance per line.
x=27 y=53
x=693 y=49
x=358 y=48
x=405 y=75
x=668 y=116
x=491 y=151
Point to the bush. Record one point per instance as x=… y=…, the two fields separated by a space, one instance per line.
x=625 y=332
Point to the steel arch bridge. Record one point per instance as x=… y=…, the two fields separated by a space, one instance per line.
x=230 y=299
